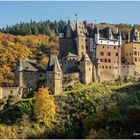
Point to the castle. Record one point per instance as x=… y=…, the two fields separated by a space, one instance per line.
x=88 y=53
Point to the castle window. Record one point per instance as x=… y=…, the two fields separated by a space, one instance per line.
x=135 y=59
x=108 y=54
x=106 y=67
x=114 y=47
x=116 y=54
x=109 y=60
x=105 y=60
x=130 y=53
x=103 y=67
x=135 y=53
x=101 y=60
x=116 y=67
x=110 y=67
x=103 y=46
x=89 y=69
x=101 y=53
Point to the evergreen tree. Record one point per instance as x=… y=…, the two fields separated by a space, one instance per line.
x=34 y=28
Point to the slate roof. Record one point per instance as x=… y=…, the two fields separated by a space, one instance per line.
x=104 y=30
x=69 y=48
x=85 y=57
x=29 y=65
x=133 y=33
x=53 y=63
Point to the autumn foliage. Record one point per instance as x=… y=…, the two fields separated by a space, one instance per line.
x=44 y=106
x=13 y=48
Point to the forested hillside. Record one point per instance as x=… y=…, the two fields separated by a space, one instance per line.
x=91 y=111
x=48 y=27
x=12 y=48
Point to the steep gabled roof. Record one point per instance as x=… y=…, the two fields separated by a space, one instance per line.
x=29 y=65
x=53 y=63
x=85 y=57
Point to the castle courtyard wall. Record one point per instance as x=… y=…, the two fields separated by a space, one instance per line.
x=6 y=91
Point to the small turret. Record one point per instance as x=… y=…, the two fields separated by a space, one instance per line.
x=110 y=35
x=97 y=35
x=119 y=38
x=86 y=69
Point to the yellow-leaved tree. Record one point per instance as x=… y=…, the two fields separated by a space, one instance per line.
x=44 y=107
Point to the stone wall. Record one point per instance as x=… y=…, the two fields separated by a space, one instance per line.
x=71 y=78
x=127 y=70
x=6 y=91
x=108 y=62
x=69 y=64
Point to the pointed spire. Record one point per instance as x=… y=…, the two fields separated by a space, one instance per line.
x=85 y=57
x=57 y=65
x=53 y=63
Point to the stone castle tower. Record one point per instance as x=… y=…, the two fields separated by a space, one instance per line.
x=54 y=75
x=86 y=68
x=80 y=38
x=29 y=76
